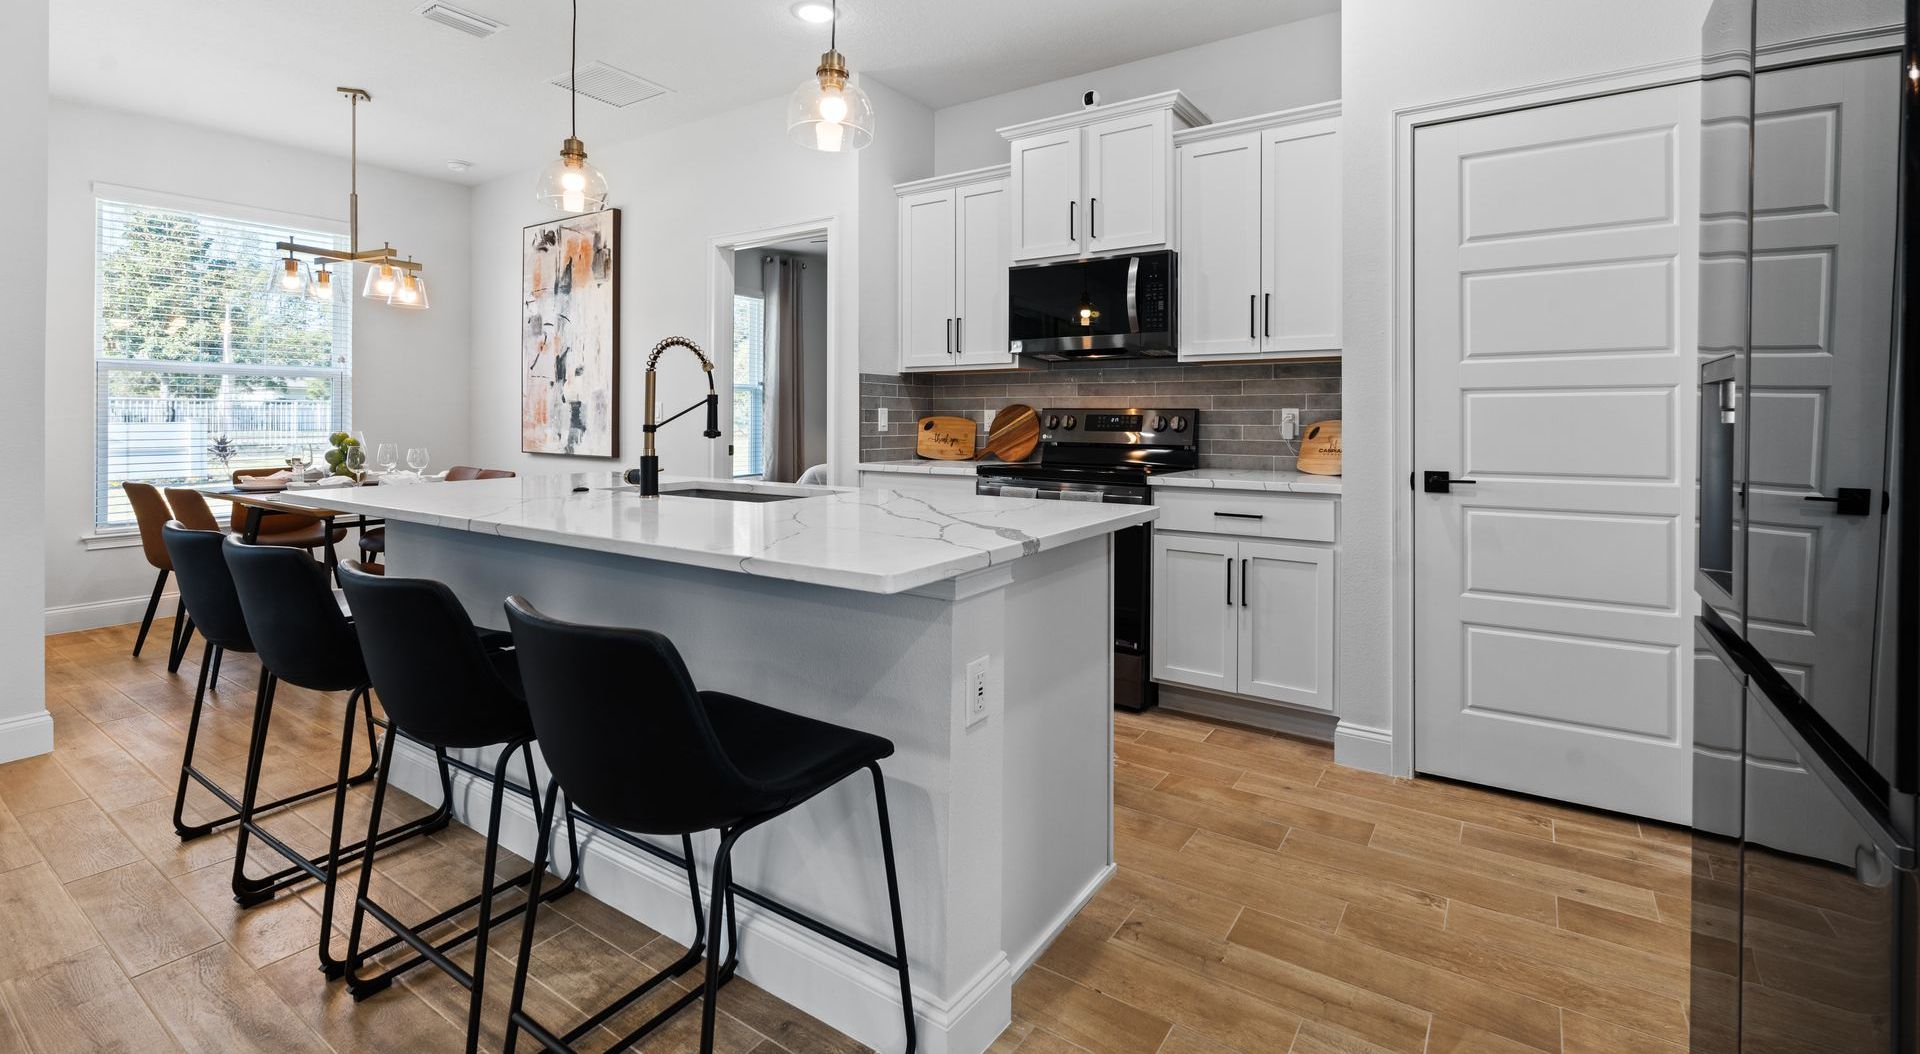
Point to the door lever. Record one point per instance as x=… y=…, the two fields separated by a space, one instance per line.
x=1441 y=482
x=1848 y=501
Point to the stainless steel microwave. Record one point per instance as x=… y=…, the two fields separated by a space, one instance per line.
x=1110 y=308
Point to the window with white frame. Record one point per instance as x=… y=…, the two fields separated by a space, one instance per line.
x=201 y=364
x=749 y=385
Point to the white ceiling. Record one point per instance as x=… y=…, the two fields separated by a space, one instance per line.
x=267 y=68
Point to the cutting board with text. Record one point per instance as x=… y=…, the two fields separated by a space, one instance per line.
x=1320 y=449
x=946 y=438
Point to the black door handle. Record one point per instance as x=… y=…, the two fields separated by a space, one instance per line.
x=1441 y=482
x=1848 y=501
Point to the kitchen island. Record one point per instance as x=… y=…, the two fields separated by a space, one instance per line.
x=974 y=632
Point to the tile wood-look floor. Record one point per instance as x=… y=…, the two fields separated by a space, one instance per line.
x=1266 y=902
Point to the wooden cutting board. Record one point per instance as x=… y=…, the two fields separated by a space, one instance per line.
x=946 y=438
x=1014 y=434
x=1320 y=449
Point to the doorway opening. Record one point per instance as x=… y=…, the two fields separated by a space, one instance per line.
x=780 y=359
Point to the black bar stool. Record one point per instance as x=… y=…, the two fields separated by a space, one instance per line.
x=303 y=638
x=638 y=748
x=206 y=590
x=447 y=686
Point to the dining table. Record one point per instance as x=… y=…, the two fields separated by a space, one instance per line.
x=259 y=501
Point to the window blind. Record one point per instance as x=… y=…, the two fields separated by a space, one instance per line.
x=749 y=385
x=201 y=363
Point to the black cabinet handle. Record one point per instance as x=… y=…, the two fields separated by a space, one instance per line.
x=1266 y=314
x=1253 y=316
x=1243 y=582
x=1093 y=217
x=1848 y=501
x=1241 y=515
x=1070 y=207
x=959 y=336
x=1229 y=581
x=949 y=336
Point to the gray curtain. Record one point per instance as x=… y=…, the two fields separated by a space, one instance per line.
x=786 y=399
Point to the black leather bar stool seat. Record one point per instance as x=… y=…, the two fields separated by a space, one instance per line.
x=448 y=686
x=304 y=639
x=207 y=592
x=638 y=748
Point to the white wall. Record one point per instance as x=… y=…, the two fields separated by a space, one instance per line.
x=25 y=728
x=1273 y=69
x=1397 y=54
x=679 y=190
x=409 y=366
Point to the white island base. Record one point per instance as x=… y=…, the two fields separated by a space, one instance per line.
x=1002 y=827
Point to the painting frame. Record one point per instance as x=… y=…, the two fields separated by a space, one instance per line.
x=585 y=421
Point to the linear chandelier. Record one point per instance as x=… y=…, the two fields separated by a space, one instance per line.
x=390 y=279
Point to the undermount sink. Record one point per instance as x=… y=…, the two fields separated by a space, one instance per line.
x=713 y=494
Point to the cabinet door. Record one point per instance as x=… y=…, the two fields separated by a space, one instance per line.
x=1129 y=167
x=1300 y=306
x=1194 y=592
x=980 y=323
x=1220 y=247
x=926 y=279
x=1046 y=196
x=1285 y=594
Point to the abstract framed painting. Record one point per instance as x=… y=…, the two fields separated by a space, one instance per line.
x=570 y=336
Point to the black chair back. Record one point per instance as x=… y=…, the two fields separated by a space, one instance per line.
x=623 y=728
x=436 y=681
x=295 y=623
x=206 y=586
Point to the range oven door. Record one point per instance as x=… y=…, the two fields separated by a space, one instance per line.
x=1827 y=895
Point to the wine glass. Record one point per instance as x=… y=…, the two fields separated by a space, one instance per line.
x=387 y=456
x=417 y=460
x=297 y=458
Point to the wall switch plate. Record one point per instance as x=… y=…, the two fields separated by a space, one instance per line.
x=1290 y=423
x=979 y=691
x=883 y=418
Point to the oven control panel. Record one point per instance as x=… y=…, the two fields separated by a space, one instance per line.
x=1129 y=426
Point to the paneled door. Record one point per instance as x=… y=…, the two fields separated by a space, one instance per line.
x=1555 y=262
x=1046 y=219
x=927 y=271
x=1220 y=247
x=1195 y=622
x=980 y=327
x=1300 y=214
x=1286 y=605
x=1128 y=172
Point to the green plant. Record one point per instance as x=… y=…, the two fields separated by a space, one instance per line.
x=222 y=450
x=345 y=457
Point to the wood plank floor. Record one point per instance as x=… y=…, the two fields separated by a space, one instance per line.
x=1266 y=902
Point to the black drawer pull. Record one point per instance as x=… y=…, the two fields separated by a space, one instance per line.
x=1241 y=515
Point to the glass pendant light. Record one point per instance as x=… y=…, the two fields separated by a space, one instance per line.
x=568 y=184
x=828 y=111
x=383 y=280
x=411 y=293
x=320 y=286
x=293 y=276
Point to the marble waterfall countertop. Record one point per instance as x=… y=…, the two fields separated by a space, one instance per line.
x=1278 y=480
x=876 y=541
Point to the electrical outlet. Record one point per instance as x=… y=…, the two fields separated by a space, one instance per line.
x=979 y=691
x=883 y=419
x=1290 y=423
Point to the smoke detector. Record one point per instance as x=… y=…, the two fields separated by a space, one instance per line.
x=456 y=164
x=467 y=22
x=609 y=84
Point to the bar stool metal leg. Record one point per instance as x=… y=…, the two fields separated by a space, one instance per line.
x=893 y=902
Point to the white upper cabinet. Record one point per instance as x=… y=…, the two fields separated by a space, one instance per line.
x=1098 y=181
x=953 y=272
x=1260 y=259
x=1220 y=238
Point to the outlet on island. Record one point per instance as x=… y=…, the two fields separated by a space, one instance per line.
x=979 y=691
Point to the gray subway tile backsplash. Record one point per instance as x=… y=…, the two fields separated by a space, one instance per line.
x=1240 y=403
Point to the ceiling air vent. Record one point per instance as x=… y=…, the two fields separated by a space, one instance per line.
x=454 y=18
x=610 y=85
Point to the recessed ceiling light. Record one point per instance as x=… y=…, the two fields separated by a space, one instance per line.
x=813 y=11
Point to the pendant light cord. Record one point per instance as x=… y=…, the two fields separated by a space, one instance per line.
x=573 y=65
x=833 y=31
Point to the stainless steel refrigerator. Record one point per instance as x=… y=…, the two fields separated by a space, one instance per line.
x=1807 y=659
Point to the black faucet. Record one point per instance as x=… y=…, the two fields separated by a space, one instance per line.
x=647 y=476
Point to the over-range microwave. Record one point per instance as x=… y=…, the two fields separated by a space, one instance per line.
x=1109 y=308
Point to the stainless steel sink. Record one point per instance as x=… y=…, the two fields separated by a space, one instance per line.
x=712 y=494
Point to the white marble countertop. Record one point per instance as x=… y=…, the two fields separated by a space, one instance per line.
x=876 y=541
x=924 y=467
x=1279 y=480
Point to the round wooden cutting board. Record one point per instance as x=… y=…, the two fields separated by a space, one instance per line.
x=1320 y=449
x=1014 y=434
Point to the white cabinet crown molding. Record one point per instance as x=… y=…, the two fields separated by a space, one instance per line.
x=954 y=179
x=1184 y=112
x=1257 y=123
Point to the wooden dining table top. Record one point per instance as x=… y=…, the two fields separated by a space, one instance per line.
x=266 y=499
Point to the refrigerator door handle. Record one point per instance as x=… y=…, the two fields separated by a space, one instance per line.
x=1811 y=740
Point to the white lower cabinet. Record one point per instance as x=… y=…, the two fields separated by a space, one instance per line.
x=1244 y=617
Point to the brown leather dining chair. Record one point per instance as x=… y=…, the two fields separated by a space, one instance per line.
x=282 y=528
x=150 y=513
x=191 y=509
x=373 y=542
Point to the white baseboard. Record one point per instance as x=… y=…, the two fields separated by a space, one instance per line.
x=848 y=991
x=96 y=614
x=1361 y=747
x=1274 y=717
x=1031 y=954
x=26 y=736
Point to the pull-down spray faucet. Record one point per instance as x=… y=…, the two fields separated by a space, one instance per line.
x=647 y=476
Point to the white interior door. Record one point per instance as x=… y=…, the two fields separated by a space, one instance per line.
x=980 y=322
x=927 y=279
x=1826 y=141
x=1220 y=247
x=1555 y=261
